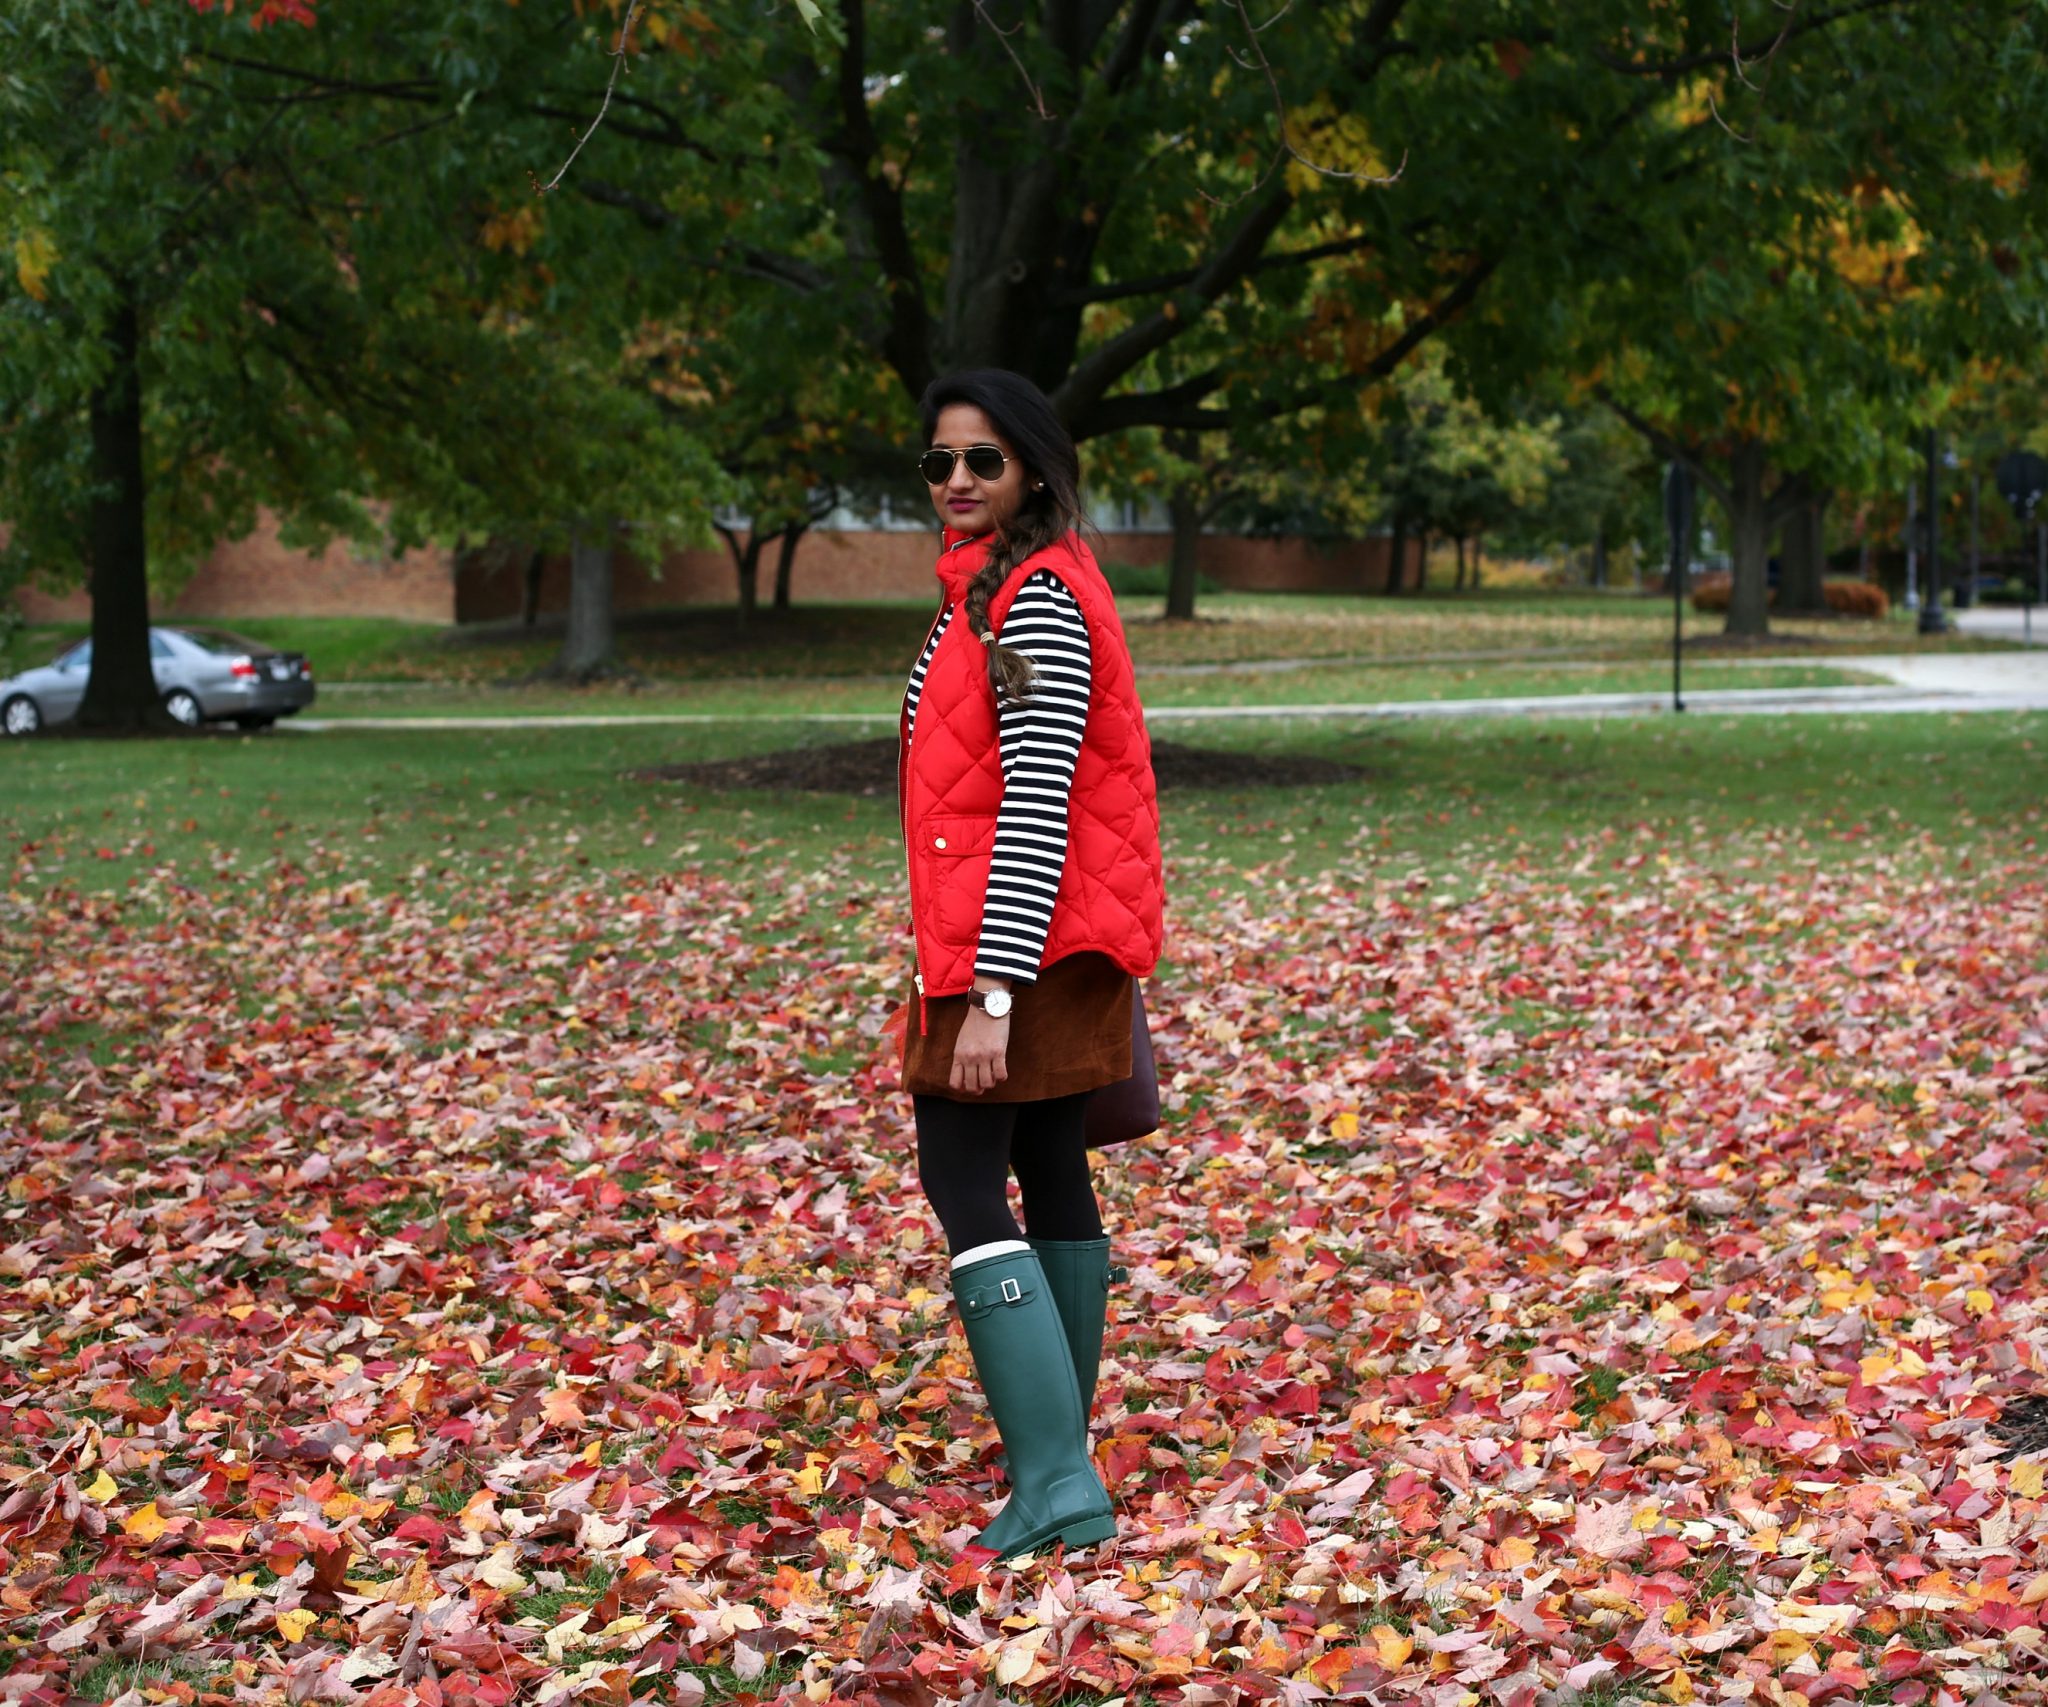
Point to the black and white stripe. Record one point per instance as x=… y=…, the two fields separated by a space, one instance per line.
x=912 y=693
x=1041 y=740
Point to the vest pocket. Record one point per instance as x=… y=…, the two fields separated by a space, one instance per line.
x=956 y=851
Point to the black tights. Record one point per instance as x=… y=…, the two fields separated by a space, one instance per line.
x=965 y=1152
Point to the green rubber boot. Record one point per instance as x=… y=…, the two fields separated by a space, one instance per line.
x=1027 y=1372
x=1079 y=1274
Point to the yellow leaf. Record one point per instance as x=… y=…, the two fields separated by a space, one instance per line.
x=101 y=1488
x=1345 y=1125
x=2025 y=1479
x=1677 y=1687
x=35 y=253
x=1394 y=1648
x=1980 y=1301
x=1017 y=1657
x=480 y=1512
x=146 y=1524
x=292 y=1626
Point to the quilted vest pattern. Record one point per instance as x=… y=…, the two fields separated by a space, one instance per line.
x=1112 y=893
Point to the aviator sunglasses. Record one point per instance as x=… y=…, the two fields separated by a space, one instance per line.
x=984 y=462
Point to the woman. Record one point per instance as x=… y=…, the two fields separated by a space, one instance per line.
x=1032 y=828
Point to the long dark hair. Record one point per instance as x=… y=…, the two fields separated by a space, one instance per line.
x=1052 y=495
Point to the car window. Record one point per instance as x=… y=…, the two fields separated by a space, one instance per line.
x=159 y=647
x=223 y=644
x=78 y=658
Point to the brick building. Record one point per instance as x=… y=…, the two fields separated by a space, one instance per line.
x=862 y=558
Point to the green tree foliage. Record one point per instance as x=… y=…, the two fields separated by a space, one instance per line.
x=236 y=289
x=1834 y=218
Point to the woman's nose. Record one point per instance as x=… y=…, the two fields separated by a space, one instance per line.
x=961 y=479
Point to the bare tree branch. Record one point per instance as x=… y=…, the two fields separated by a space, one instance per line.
x=1159 y=282
x=1671 y=448
x=1002 y=35
x=1178 y=406
x=1093 y=375
x=618 y=64
x=743 y=262
x=1700 y=61
x=1287 y=147
x=906 y=342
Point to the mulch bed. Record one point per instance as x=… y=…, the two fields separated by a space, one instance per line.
x=869 y=767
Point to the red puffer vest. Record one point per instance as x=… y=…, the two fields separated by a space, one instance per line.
x=950 y=784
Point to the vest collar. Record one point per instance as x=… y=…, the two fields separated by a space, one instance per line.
x=962 y=556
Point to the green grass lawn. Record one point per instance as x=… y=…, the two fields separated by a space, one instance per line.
x=695 y=643
x=402 y=808
x=880 y=696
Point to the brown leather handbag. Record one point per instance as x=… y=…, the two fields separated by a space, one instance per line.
x=1130 y=1107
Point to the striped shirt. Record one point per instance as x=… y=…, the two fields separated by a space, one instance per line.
x=1041 y=740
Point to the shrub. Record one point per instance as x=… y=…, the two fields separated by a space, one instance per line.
x=1148 y=580
x=1856 y=598
x=1847 y=598
x=1712 y=592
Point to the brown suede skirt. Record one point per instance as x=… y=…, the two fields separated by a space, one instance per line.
x=1069 y=1032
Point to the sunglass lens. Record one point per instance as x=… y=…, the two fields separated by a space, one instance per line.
x=985 y=462
x=937 y=466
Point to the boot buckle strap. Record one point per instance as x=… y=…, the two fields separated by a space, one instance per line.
x=1117 y=1274
x=1009 y=1293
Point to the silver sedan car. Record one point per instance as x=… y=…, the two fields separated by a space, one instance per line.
x=204 y=675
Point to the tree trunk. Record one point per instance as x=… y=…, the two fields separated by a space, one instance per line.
x=1397 y=548
x=1458 y=540
x=1600 y=557
x=1476 y=562
x=1803 y=559
x=529 y=595
x=1749 y=541
x=785 y=561
x=1965 y=591
x=120 y=694
x=590 y=644
x=1185 y=513
x=1422 y=564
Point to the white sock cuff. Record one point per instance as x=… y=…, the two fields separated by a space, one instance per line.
x=1000 y=1248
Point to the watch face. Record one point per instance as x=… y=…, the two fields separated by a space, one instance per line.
x=997 y=1003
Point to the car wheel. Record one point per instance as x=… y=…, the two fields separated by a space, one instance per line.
x=183 y=708
x=21 y=715
x=254 y=720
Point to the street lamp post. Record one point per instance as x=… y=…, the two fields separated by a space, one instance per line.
x=1912 y=546
x=2022 y=480
x=1678 y=504
x=1932 y=620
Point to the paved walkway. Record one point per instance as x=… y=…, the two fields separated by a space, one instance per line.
x=1951 y=682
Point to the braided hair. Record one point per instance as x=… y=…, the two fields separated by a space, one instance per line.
x=1050 y=511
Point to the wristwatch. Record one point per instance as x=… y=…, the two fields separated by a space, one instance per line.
x=994 y=1003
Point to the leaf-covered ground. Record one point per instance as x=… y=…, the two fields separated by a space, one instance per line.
x=517 y=1288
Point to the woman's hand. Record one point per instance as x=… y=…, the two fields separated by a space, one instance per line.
x=979 y=1053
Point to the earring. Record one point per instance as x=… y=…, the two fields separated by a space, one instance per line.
x=1038 y=485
